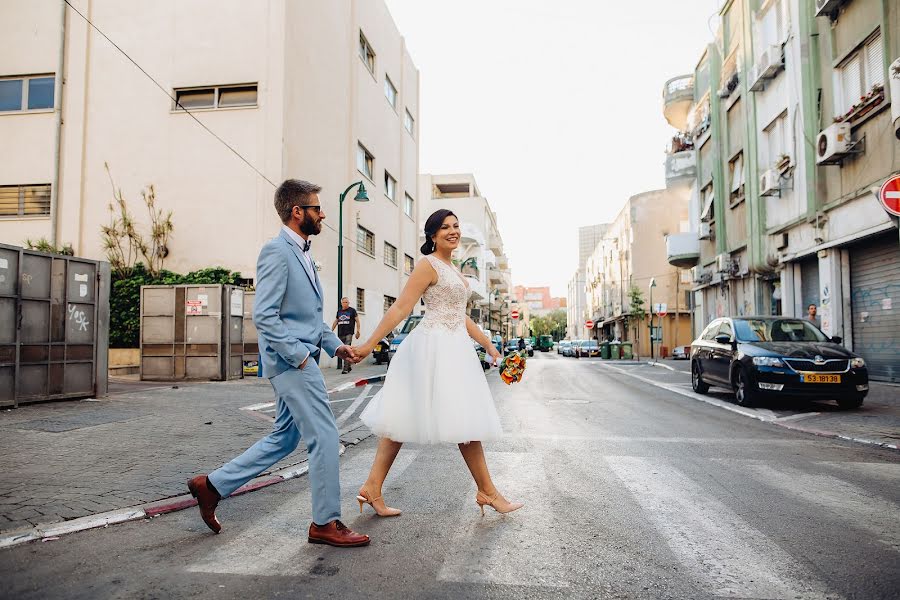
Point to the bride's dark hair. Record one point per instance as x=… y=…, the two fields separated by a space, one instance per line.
x=432 y=225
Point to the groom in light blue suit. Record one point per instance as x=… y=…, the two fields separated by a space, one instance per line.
x=288 y=316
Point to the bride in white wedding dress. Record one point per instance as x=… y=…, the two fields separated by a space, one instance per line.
x=435 y=390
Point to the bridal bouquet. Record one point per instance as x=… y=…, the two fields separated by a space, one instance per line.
x=512 y=367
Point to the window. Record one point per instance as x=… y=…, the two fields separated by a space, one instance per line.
x=856 y=77
x=408 y=206
x=409 y=123
x=366 y=53
x=24 y=200
x=408 y=264
x=777 y=141
x=725 y=329
x=390 y=92
x=390 y=255
x=216 y=97
x=360 y=300
x=390 y=187
x=365 y=240
x=27 y=93
x=365 y=162
x=388 y=301
x=707 y=196
x=737 y=173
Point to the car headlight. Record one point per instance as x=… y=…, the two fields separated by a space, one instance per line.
x=857 y=363
x=767 y=361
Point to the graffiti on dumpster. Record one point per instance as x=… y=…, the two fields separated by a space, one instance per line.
x=78 y=317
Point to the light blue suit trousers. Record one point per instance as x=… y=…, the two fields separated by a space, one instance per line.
x=288 y=315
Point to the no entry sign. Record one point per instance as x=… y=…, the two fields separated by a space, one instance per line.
x=514 y=314
x=589 y=324
x=890 y=195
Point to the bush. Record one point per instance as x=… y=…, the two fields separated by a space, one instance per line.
x=125 y=298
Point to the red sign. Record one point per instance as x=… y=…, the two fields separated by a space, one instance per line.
x=589 y=324
x=890 y=195
x=514 y=314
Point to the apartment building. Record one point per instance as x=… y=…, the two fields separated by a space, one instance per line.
x=576 y=315
x=480 y=255
x=631 y=256
x=792 y=128
x=320 y=91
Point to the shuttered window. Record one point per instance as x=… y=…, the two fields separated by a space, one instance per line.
x=874 y=63
x=859 y=74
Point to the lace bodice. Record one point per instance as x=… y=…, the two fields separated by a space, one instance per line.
x=445 y=301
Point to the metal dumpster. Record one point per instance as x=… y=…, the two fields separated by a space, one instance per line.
x=191 y=332
x=627 y=353
x=604 y=350
x=250 y=350
x=615 y=350
x=54 y=326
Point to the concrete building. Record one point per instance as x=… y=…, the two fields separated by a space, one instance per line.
x=576 y=313
x=789 y=114
x=630 y=255
x=480 y=257
x=320 y=91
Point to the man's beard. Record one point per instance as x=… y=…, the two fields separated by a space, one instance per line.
x=310 y=227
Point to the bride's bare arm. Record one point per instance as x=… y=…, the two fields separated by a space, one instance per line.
x=422 y=276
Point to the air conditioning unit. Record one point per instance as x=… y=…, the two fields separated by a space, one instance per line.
x=696 y=272
x=833 y=144
x=723 y=263
x=782 y=241
x=757 y=83
x=769 y=183
x=687 y=276
x=827 y=7
x=705 y=231
x=771 y=61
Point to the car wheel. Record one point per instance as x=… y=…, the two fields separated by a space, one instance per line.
x=851 y=402
x=697 y=383
x=744 y=394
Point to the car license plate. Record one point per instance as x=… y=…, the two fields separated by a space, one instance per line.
x=817 y=378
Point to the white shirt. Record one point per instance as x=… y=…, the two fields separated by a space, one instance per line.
x=301 y=243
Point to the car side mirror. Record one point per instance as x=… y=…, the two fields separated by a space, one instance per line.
x=837 y=339
x=723 y=338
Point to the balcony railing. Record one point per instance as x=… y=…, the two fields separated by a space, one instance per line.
x=681 y=165
x=678 y=95
x=683 y=250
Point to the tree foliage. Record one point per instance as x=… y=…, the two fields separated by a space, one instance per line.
x=44 y=245
x=636 y=315
x=125 y=297
x=553 y=324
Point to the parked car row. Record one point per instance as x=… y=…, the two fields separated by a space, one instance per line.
x=578 y=348
x=758 y=357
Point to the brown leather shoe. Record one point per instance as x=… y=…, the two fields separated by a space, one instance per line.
x=336 y=534
x=207 y=500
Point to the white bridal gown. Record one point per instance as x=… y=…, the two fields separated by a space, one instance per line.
x=435 y=389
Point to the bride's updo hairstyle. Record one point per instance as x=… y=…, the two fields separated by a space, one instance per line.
x=432 y=225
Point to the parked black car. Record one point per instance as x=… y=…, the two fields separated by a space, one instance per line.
x=776 y=356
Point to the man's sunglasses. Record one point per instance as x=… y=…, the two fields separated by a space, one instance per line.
x=315 y=207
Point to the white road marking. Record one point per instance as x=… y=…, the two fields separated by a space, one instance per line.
x=882 y=471
x=860 y=508
x=348 y=412
x=725 y=554
x=275 y=542
x=508 y=549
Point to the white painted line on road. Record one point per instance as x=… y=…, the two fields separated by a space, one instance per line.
x=659 y=364
x=796 y=417
x=720 y=549
x=857 y=506
x=882 y=471
x=258 y=406
x=352 y=408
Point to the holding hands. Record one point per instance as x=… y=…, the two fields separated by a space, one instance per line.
x=348 y=354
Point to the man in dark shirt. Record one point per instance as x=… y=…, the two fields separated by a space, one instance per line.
x=346 y=321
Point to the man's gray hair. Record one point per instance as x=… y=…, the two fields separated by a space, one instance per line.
x=291 y=193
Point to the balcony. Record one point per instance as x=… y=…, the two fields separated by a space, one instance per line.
x=678 y=95
x=683 y=250
x=495 y=243
x=495 y=276
x=681 y=165
x=502 y=262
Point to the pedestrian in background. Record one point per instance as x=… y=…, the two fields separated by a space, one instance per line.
x=811 y=314
x=346 y=320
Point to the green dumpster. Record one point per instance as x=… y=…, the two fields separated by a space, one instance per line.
x=627 y=351
x=614 y=350
x=604 y=350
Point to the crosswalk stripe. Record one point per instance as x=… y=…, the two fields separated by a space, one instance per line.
x=348 y=412
x=861 y=508
x=275 y=542
x=727 y=555
x=479 y=549
x=877 y=471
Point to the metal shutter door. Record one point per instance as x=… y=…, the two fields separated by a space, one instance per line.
x=875 y=305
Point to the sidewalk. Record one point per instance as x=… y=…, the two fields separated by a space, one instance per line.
x=66 y=460
x=877 y=421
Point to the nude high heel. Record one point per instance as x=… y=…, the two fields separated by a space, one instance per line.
x=483 y=500
x=387 y=511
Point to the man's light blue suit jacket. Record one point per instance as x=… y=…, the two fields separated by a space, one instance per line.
x=288 y=308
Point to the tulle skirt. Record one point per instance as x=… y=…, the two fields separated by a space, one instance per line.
x=435 y=391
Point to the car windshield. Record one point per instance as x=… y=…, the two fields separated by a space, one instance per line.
x=410 y=325
x=591 y=344
x=777 y=330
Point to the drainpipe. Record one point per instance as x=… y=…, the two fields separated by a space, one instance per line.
x=57 y=133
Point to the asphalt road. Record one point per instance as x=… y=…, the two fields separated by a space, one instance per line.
x=631 y=491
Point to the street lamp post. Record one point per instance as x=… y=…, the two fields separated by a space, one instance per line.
x=361 y=196
x=652 y=285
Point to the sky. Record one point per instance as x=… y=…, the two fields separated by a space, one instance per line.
x=555 y=107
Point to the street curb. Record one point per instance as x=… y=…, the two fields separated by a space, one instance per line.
x=358 y=383
x=745 y=412
x=52 y=531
